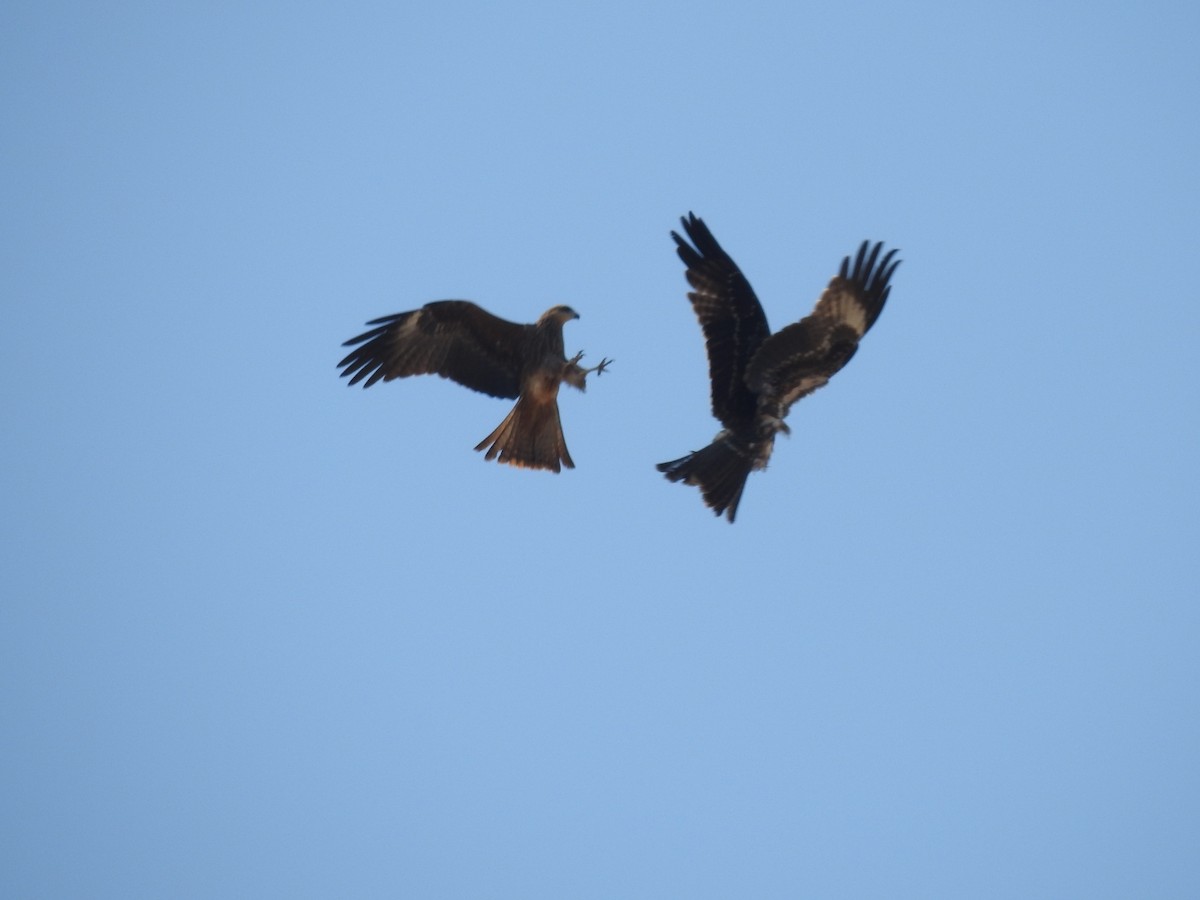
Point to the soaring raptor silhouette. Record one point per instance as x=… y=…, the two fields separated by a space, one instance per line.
x=464 y=342
x=757 y=376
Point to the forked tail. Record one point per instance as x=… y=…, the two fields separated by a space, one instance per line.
x=530 y=436
x=719 y=470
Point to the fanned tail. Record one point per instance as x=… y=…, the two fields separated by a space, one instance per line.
x=530 y=436
x=719 y=470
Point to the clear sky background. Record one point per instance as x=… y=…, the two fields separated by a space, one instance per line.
x=263 y=635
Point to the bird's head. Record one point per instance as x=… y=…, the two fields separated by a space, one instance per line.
x=560 y=315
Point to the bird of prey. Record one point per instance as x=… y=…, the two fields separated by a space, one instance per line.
x=464 y=342
x=756 y=375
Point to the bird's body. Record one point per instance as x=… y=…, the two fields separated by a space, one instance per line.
x=460 y=340
x=756 y=375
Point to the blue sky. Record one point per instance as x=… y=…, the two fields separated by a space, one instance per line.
x=263 y=635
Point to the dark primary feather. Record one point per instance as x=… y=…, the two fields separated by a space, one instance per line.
x=730 y=315
x=872 y=283
x=452 y=338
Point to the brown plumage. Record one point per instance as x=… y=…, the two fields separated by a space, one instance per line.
x=464 y=342
x=757 y=376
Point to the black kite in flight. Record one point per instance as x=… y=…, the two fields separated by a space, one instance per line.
x=464 y=342
x=757 y=376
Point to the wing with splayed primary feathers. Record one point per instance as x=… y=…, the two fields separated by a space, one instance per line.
x=453 y=338
x=803 y=356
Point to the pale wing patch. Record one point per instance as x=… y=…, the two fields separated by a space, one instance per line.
x=803 y=388
x=410 y=326
x=841 y=305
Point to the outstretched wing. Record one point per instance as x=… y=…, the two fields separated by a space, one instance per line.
x=452 y=338
x=802 y=357
x=856 y=295
x=730 y=315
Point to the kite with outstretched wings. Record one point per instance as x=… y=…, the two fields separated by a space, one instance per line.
x=756 y=375
x=464 y=342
